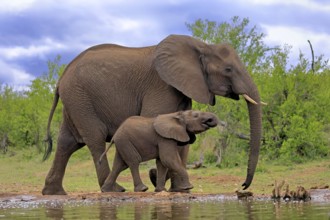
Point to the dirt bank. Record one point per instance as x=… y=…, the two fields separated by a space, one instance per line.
x=13 y=200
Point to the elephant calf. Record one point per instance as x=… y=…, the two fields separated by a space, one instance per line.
x=141 y=139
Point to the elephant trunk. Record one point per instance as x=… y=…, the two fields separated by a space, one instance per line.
x=255 y=116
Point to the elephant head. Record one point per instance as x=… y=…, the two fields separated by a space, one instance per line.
x=201 y=71
x=182 y=126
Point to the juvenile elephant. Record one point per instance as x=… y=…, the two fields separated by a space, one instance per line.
x=108 y=83
x=141 y=139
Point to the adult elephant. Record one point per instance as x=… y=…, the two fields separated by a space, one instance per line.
x=107 y=83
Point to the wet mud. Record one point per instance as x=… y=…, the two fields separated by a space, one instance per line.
x=33 y=200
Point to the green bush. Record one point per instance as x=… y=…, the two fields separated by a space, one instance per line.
x=24 y=114
x=296 y=121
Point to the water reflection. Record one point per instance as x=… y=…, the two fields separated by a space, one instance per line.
x=54 y=213
x=301 y=210
x=232 y=209
x=138 y=211
x=178 y=211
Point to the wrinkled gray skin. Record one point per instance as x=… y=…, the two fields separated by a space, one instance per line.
x=141 y=139
x=108 y=83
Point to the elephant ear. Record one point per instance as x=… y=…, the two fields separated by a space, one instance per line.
x=192 y=139
x=178 y=63
x=169 y=126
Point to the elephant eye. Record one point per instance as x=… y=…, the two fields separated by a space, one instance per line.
x=228 y=69
x=195 y=115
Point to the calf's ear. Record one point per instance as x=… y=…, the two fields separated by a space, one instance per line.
x=169 y=126
x=192 y=138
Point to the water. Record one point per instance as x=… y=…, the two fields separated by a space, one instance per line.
x=206 y=209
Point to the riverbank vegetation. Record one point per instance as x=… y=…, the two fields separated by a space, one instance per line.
x=296 y=121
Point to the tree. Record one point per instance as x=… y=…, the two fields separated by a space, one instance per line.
x=296 y=121
x=24 y=115
x=40 y=96
x=247 y=40
x=11 y=103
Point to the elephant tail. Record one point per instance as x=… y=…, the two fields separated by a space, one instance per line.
x=106 y=151
x=48 y=139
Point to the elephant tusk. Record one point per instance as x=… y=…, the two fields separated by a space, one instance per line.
x=248 y=98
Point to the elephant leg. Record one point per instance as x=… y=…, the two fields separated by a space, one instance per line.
x=183 y=152
x=66 y=146
x=161 y=176
x=110 y=183
x=131 y=156
x=153 y=176
x=97 y=147
x=94 y=133
x=175 y=180
x=170 y=157
x=138 y=184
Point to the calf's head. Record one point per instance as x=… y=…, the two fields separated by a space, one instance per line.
x=181 y=126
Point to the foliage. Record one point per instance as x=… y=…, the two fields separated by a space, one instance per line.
x=297 y=116
x=296 y=121
x=24 y=114
x=247 y=41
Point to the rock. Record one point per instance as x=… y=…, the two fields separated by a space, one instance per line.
x=243 y=194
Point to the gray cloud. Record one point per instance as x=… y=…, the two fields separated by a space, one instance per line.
x=38 y=30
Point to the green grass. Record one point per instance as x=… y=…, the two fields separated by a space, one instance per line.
x=25 y=173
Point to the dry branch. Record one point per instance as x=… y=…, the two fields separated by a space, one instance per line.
x=310 y=44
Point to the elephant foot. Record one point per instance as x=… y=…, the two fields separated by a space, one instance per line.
x=183 y=189
x=48 y=190
x=119 y=188
x=112 y=188
x=160 y=189
x=140 y=188
x=179 y=190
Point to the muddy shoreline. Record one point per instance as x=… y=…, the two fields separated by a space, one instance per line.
x=16 y=200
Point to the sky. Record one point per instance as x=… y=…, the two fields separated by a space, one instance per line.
x=33 y=32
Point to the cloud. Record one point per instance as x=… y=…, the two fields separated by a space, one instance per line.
x=127 y=31
x=14 y=76
x=35 y=31
x=297 y=38
x=17 y=52
x=10 y=6
x=310 y=4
